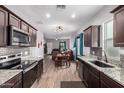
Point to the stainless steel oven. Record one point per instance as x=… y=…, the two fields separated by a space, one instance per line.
x=18 y=37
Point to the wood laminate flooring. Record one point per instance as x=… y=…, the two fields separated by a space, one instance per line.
x=52 y=76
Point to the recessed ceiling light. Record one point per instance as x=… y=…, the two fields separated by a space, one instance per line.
x=73 y=15
x=56 y=38
x=48 y=15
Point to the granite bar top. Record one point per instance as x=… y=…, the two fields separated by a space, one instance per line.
x=6 y=75
x=116 y=73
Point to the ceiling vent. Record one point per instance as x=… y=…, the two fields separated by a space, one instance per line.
x=60 y=7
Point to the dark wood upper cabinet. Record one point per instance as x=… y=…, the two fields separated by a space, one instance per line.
x=96 y=36
x=33 y=35
x=87 y=37
x=14 y=21
x=92 y=36
x=8 y=18
x=24 y=26
x=118 y=26
x=3 y=27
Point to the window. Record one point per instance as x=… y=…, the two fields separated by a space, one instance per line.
x=62 y=46
x=112 y=52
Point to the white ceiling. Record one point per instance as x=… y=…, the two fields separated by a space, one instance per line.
x=36 y=15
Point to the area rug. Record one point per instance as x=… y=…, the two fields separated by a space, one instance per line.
x=72 y=84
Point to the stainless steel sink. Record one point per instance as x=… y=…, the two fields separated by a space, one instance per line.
x=101 y=64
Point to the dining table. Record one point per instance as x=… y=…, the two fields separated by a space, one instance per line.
x=62 y=58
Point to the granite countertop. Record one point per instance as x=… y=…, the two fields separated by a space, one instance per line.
x=31 y=58
x=6 y=75
x=116 y=73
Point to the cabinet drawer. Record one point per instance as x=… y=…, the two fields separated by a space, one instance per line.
x=109 y=82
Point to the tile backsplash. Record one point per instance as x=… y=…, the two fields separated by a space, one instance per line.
x=13 y=50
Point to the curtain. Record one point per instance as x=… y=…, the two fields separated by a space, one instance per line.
x=81 y=44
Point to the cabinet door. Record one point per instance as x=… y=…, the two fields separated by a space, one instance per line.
x=33 y=36
x=3 y=27
x=40 y=69
x=95 y=36
x=86 y=75
x=85 y=39
x=104 y=85
x=89 y=37
x=81 y=70
x=30 y=76
x=14 y=21
x=30 y=33
x=119 y=28
x=109 y=82
x=18 y=84
x=93 y=81
x=15 y=81
x=24 y=26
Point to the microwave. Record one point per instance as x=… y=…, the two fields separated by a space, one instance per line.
x=18 y=37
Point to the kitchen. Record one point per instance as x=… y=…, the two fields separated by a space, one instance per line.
x=16 y=64
x=90 y=51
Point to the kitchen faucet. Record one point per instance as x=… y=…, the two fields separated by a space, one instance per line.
x=99 y=58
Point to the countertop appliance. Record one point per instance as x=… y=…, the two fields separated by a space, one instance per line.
x=18 y=37
x=29 y=67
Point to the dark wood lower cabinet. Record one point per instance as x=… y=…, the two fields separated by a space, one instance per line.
x=86 y=75
x=107 y=82
x=40 y=69
x=93 y=78
x=80 y=70
x=30 y=76
x=18 y=84
x=15 y=82
x=104 y=85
